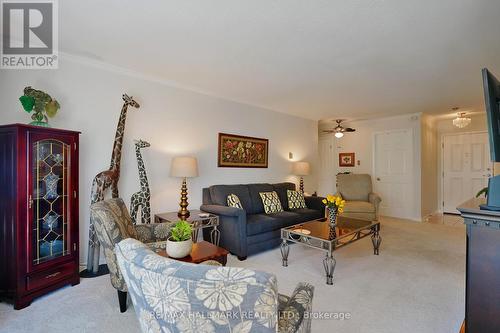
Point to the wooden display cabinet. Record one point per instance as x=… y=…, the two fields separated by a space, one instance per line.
x=39 y=211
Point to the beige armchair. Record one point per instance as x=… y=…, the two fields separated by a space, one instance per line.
x=356 y=190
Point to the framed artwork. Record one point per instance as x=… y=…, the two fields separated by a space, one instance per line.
x=239 y=151
x=346 y=159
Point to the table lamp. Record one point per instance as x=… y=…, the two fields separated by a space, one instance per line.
x=301 y=169
x=184 y=167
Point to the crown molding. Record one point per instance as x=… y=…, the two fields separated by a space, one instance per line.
x=105 y=66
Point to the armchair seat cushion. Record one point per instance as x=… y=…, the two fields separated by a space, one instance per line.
x=359 y=207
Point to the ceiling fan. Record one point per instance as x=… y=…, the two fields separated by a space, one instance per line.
x=339 y=130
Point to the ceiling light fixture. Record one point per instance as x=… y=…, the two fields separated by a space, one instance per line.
x=338 y=135
x=461 y=120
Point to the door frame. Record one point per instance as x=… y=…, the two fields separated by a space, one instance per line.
x=414 y=212
x=441 y=166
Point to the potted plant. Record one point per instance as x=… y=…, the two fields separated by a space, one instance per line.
x=42 y=105
x=179 y=243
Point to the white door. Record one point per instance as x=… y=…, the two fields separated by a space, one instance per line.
x=393 y=172
x=326 y=167
x=466 y=168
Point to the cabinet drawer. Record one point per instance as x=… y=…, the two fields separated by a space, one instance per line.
x=43 y=279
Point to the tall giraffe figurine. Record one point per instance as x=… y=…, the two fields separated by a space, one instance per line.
x=141 y=198
x=107 y=179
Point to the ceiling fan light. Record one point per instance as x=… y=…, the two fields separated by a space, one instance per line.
x=338 y=135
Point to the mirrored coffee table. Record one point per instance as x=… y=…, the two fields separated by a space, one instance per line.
x=319 y=235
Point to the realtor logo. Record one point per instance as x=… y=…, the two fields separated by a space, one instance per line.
x=29 y=34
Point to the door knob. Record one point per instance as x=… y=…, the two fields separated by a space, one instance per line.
x=378 y=178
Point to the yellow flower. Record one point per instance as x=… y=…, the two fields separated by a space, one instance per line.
x=324 y=201
x=341 y=210
x=330 y=198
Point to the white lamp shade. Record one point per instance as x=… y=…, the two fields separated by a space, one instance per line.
x=301 y=168
x=184 y=167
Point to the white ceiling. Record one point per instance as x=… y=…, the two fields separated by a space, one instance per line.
x=315 y=59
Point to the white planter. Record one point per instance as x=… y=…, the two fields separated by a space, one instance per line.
x=179 y=249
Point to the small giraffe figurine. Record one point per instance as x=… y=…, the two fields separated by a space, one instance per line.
x=141 y=198
x=107 y=179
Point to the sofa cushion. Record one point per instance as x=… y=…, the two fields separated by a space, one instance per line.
x=359 y=207
x=234 y=201
x=259 y=223
x=271 y=202
x=281 y=189
x=219 y=195
x=295 y=200
x=254 y=190
x=307 y=214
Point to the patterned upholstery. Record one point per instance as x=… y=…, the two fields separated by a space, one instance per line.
x=296 y=200
x=113 y=223
x=173 y=296
x=271 y=202
x=234 y=201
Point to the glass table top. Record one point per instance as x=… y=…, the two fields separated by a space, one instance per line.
x=321 y=228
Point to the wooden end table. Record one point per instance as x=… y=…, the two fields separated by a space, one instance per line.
x=202 y=251
x=198 y=223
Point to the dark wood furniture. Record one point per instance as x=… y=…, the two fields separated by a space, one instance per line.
x=203 y=251
x=482 y=282
x=39 y=211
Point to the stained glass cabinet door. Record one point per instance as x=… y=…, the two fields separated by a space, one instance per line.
x=50 y=199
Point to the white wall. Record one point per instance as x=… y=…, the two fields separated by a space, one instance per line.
x=429 y=169
x=361 y=143
x=175 y=122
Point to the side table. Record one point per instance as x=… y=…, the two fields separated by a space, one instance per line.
x=198 y=223
x=202 y=251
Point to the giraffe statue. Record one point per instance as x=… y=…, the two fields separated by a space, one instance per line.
x=141 y=198
x=107 y=179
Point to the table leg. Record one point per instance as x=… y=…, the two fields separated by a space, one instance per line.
x=376 y=240
x=215 y=236
x=284 y=253
x=329 y=264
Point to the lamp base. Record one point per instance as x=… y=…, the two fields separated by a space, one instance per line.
x=183 y=213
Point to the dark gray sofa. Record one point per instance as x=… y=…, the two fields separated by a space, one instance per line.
x=249 y=230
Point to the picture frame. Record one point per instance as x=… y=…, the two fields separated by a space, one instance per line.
x=238 y=151
x=346 y=159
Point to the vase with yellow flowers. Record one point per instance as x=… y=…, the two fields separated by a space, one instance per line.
x=334 y=205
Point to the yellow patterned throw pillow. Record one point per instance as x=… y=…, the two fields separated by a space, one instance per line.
x=271 y=202
x=234 y=201
x=295 y=199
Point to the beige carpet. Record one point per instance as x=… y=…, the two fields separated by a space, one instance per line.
x=415 y=285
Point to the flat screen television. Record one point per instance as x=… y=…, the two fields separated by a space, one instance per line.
x=491 y=88
x=492 y=103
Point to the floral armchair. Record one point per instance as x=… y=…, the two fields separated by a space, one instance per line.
x=113 y=223
x=173 y=296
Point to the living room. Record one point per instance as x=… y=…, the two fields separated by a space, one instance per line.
x=172 y=90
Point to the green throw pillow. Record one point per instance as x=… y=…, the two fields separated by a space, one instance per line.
x=234 y=201
x=271 y=202
x=295 y=199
